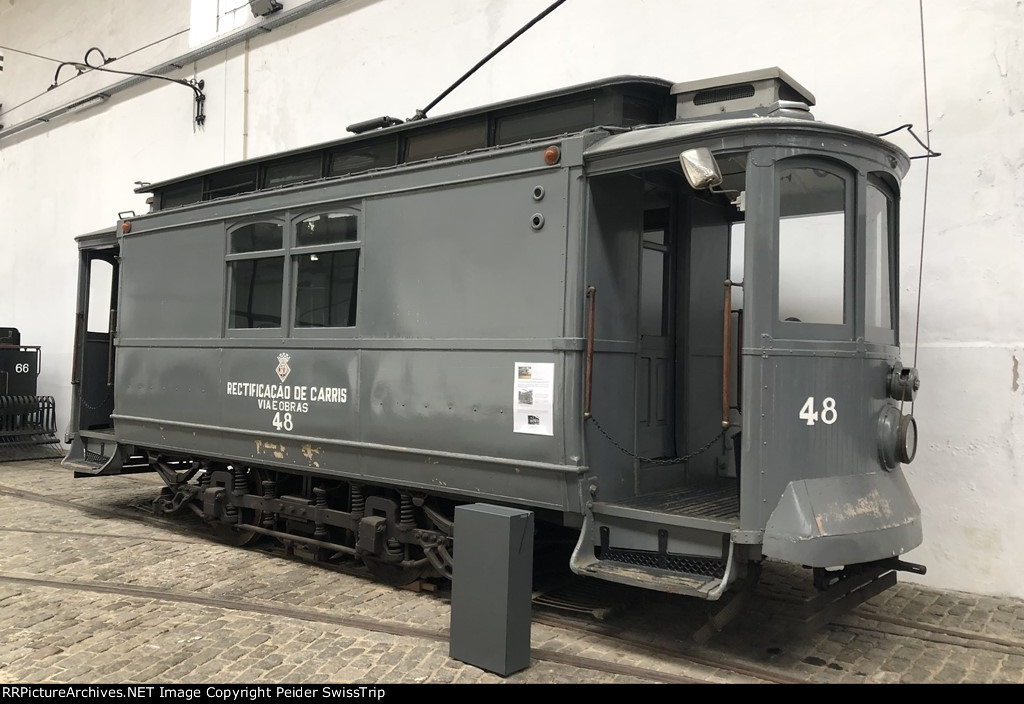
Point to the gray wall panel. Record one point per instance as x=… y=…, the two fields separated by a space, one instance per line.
x=170 y=383
x=707 y=264
x=459 y=401
x=613 y=254
x=789 y=447
x=173 y=283
x=466 y=262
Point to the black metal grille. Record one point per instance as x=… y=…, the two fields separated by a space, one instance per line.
x=720 y=95
x=702 y=566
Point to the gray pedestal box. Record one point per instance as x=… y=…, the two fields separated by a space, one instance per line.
x=492 y=585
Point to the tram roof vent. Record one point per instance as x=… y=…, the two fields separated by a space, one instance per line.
x=766 y=91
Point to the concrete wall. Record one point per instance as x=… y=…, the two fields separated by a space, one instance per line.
x=302 y=83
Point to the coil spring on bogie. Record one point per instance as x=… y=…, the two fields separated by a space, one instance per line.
x=358 y=501
x=241 y=481
x=320 y=494
x=237 y=482
x=269 y=492
x=407 y=518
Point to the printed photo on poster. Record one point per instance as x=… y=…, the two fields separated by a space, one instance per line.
x=533 y=398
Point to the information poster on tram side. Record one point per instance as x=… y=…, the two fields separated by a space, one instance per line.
x=533 y=398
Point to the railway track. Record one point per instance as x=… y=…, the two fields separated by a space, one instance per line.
x=140 y=514
x=898 y=626
x=358 y=622
x=556 y=615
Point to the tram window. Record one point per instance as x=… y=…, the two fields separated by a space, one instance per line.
x=282 y=173
x=374 y=156
x=812 y=246
x=256 y=270
x=544 y=122
x=326 y=229
x=182 y=194
x=652 y=293
x=449 y=140
x=878 y=292
x=326 y=270
x=737 y=234
x=229 y=183
x=256 y=237
x=326 y=285
x=639 y=112
x=653 y=283
x=101 y=276
x=256 y=286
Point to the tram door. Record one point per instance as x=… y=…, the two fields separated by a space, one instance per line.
x=655 y=375
x=93 y=375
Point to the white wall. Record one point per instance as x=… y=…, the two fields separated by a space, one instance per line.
x=362 y=58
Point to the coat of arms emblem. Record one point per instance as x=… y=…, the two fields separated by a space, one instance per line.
x=283 y=370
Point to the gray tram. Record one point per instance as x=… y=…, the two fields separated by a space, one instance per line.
x=663 y=317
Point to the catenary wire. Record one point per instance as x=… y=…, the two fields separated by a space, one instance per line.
x=29 y=53
x=924 y=206
x=123 y=56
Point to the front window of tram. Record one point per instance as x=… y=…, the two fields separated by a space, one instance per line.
x=812 y=246
x=880 y=240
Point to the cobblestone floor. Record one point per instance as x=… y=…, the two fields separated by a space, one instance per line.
x=325 y=633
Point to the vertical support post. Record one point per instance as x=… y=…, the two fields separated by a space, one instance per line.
x=589 y=382
x=726 y=351
x=492 y=586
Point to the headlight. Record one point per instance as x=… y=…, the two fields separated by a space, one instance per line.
x=907 y=439
x=897 y=438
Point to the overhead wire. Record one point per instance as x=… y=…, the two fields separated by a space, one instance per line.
x=924 y=205
x=47 y=58
x=29 y=53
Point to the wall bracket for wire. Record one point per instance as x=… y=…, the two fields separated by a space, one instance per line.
x=199 y=113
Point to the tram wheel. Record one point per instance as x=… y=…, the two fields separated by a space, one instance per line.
x=236 y=534
x=391 y=573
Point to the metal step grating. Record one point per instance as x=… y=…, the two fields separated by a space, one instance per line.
x=688 y=564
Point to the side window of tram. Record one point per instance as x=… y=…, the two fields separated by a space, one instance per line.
x=812 y=246
x=256 y=268
x=654 y=290
x=326 y=253
x=101 y=275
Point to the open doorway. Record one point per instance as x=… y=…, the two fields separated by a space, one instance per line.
x=671 y=259
x=94 y=340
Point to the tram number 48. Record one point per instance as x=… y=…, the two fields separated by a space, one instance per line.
x=283 y=421
x=828 y=415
